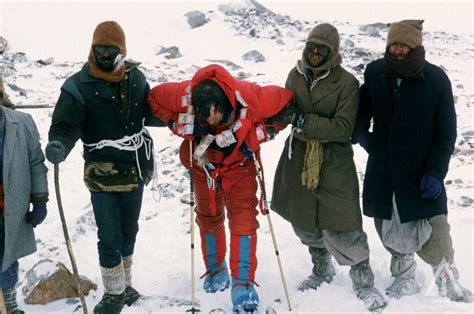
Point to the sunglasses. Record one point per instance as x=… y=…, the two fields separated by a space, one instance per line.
x=112 y=50
x=323 y=50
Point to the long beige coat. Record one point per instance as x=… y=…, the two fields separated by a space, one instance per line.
x=332 y=105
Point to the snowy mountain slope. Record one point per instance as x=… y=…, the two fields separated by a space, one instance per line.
x=162 y=258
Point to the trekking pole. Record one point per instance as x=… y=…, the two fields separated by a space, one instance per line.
x=267 y=213
x=2 y=302
x=68 y=242
x=191 y=205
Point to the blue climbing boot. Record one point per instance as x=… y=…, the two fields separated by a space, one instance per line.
x=244 y=297
x=218 y=280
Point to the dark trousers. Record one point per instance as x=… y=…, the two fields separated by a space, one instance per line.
x=116 y=215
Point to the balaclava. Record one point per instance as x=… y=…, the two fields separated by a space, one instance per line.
x=324 y=34
x=407 y=32
x=108 y=33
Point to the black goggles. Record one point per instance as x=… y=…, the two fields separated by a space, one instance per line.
x=112 y=50
x=323 y=50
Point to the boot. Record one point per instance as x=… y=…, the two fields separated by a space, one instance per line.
x=323 y=271
x=244 y=297
x=217 y=280
x=214 y=248
x=402 y=267
x=447 y=277
x=113 y=299
x=9 y=296
x=363 y=285
x=243 y=265
x=131 y=295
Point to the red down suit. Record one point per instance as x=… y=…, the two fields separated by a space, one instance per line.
x=232 y=184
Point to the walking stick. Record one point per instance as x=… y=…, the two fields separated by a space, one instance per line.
x=191 y=205
x=68 y=242
x=2 y=302
x=267 y=213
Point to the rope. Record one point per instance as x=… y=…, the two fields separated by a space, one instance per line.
x=134 y=143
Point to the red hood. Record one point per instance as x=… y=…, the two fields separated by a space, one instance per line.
x=219 y=75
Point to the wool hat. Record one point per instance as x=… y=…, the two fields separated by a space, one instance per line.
x=325 y=34
x=109 y=33
x=407 y=32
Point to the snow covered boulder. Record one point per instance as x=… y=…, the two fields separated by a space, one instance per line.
x=253 y=55
x=49 y=281
x=196 y=18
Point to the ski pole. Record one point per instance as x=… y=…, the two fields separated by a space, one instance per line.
x=267 y=213
x=2 y=302
x=66 y=237
x=191 y=207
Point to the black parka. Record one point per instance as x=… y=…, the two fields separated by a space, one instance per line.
x=414 y=132
x=88 y=109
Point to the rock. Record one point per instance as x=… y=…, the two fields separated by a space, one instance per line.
x=185 y=199
x=172 y=52
x=196 y=18
x=227 y=63
x=359 y=67
x=260 y=8
x=48 y=281
x=48 y=61
x=253 y=55
x=460 y=86
x=349 y=43
x=466 y=201
x=3 y=45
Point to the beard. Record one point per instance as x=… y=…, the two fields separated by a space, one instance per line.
x=106 y=64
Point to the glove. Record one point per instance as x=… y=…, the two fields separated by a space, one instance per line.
x=246 y=151
x=37 y=214
x=430 y=187
x=55 y=152
x=289 y=115
x=364 y=139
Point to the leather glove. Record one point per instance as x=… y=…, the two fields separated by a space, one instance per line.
x=55 y=152
x=430 y=187
x=289 y=115
x=37 y=214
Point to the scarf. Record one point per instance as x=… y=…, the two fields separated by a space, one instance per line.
x=115 y=76
x=411 y=67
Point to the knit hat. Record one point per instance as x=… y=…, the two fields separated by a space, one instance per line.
x=407 y=32
x=108 y=33
x=325 y=34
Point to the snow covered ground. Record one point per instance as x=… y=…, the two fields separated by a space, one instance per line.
x=63 y=30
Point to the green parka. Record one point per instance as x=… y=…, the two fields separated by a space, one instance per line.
x=331 y=106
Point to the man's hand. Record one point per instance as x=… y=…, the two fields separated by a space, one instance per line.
x=37 y=214
x=363 y=139
x=55 y=152
x=289 y=115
